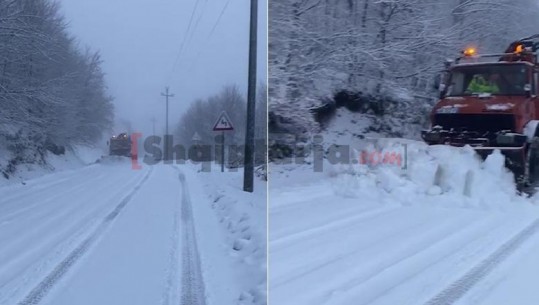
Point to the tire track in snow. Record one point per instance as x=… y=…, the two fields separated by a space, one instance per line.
x=66 y=237
x=458 y=288
x=37 y=186
x=40 y=291
x=9 y=217
x=290 y=239
x=53 y=217
x=192 y=281
x=170 y=295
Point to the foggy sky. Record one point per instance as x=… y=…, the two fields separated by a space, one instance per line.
x=139 y=41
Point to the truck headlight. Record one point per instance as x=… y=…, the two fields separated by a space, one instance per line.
x=513 y=139
x=447 y=110
x=431 y=136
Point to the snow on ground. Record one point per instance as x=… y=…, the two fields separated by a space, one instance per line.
x=445 y=227
x=107 y=234
x=235 y=236
x=46 y=221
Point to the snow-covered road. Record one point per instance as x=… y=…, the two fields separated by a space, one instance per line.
x=105 y=234
x=383 y=236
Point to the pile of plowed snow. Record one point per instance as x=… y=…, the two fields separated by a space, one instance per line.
x=439 y=175
x=432 y=175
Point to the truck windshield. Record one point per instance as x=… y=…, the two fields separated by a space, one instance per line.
x=497 y=79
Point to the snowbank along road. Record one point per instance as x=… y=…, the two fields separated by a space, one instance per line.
x=104 y=234
x=450 y=229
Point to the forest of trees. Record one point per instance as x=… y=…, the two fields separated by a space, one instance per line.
x=52 y=94
x=203 y=113
x=392 y=48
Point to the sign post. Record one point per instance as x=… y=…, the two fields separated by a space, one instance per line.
x=223 y=124
x=196 y=140
x=223 y=152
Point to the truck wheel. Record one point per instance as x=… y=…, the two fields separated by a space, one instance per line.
x=533 y=160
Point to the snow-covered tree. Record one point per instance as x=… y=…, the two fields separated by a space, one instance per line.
x=379 y=47
x=51 y=93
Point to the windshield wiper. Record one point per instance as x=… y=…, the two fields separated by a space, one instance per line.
x=482 y=94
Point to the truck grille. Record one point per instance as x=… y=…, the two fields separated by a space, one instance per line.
x=475 y=122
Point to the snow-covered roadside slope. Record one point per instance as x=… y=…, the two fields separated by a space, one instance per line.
x=73 y=159
x=438 y=229
x=349 y=126
x=231 y=234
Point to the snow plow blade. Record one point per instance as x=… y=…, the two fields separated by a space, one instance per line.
x=110 y=159
x=512 y=145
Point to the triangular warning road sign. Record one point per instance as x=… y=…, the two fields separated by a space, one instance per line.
x=223 y=123
x=196 y=137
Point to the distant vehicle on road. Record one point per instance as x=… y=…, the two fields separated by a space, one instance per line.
x=120 y=145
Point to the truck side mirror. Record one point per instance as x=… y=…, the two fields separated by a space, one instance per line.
x=528 y=90
x=437 y=80
x=443 y=90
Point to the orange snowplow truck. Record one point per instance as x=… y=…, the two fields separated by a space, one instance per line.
x=491 y=102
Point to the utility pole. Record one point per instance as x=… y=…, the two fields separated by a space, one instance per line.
x=153 y=126
x=166 y=95
x=248 y=172
x=153 y=120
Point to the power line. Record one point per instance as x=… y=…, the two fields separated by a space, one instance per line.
x=184 y=42
x=184 y=39
x=198 y=21
x=209 y=36
x=194 y=61
x=219 y=18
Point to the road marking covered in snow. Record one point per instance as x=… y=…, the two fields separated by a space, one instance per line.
x=461 y=286
x=192 y=281
x=40 y=291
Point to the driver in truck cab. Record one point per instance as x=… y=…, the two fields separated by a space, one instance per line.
x=480 y=84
